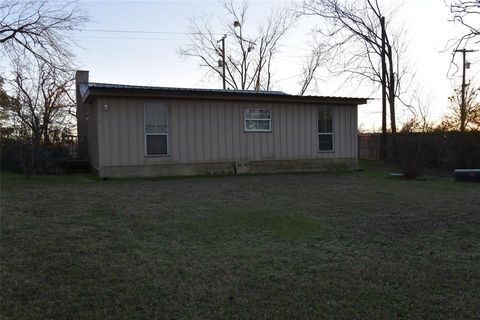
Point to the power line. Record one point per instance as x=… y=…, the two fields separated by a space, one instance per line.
x=174 y=32
x=142 y=31
x=281 y=55
x=130 y=38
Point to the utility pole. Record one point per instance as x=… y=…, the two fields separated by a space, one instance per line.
x=223 y=60
x=383 y=139
x=463 y=107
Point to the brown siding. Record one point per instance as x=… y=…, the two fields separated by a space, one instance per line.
x=214 y=131
x=92 y=131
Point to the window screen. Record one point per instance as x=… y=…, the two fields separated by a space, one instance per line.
x=156 y=128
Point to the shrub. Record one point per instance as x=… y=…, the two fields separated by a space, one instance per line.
x=16 y=156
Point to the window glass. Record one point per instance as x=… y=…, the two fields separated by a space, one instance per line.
x=325 y=129
x=325 y=142
x=257 y=114
x=156 y=128
x=155 y=118
x=258 y=120
x=156 y=144
x=257 y=124
x=325 y=120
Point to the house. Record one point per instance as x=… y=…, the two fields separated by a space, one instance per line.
x=154 y=131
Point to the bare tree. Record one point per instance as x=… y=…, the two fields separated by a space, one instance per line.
x=455 y=119
x=353 y=37
x=6 y=102
x=43 y=100
x=311 y=63
x=39 y=29
x=249 y=55
x=467 y=13
x=419 y=106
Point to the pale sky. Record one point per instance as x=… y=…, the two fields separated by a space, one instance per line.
x=152 y=59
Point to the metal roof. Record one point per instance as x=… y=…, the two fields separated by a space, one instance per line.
x=89 y=90
x=126 y=86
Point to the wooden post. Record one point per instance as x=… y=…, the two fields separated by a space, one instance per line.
x=463 y=107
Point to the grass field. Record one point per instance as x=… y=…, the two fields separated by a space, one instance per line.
x=345 y=245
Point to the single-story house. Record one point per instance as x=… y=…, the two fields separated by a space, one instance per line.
x=154 y=131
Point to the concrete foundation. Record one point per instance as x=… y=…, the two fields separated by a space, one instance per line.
x=228 y=167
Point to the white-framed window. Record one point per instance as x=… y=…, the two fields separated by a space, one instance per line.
x=156 y=128
x=258 y=120
x=325 y=129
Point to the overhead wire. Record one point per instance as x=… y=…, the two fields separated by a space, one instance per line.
x=141 y=31
x=130 y=38
x=161 y=32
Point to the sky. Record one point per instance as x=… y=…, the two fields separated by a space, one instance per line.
x=153 y=59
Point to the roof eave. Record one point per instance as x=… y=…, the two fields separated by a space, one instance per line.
x=93 y=92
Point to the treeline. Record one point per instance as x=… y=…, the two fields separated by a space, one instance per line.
x=37 y=104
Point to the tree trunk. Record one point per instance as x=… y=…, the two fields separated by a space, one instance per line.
x=46 y=138
x=391 y=91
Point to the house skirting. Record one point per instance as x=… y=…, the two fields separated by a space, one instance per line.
x=228 y=167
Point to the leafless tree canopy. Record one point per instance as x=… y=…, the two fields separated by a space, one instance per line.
x=353 y=37
x=419 y=106
x=467 y=13
x=471 y=117
x=311 y=64
x=42 y=103
x=39 y=29
x=249 y=51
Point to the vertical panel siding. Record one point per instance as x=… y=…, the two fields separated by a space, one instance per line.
x=276 y=133
x=270 y=137
x=174 y=140
x=227 y=125
x=113 y=132
x=293 y=116
x=131 y=132
x=104 y=148
x=313 y=121
x=198 y=131
x=207 y=130
x=283 y=132
x=339 y=116
x=354 y=133
x=344 y=134
x=220 y=131
x=182 y=132
x=139 y=118
x=348 y=136
x=123 y=131
x=236 y=131
x=301 y=131
x=92 y=132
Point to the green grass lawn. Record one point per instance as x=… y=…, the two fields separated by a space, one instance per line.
x=345 y=245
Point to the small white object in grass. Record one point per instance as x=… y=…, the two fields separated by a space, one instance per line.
x=396 y=175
